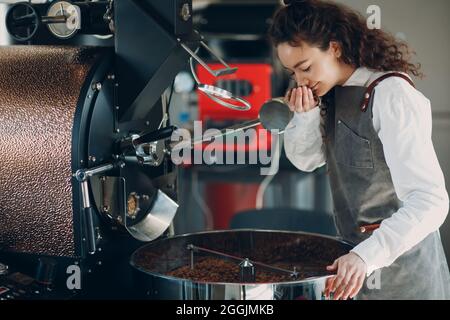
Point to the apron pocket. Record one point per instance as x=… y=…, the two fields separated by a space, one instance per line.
x=352 y=150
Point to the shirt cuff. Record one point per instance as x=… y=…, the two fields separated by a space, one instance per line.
x=306 y=117
x=371 y=253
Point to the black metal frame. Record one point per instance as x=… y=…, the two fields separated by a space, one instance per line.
x=121 y=95
x=147 y=62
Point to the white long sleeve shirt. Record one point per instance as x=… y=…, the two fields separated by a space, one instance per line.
x=403 y=122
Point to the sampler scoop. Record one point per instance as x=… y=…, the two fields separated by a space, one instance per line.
x=274 y=116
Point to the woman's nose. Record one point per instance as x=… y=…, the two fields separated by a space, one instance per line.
x=301 y=81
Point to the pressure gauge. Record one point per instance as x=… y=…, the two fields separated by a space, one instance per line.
x=63 y=19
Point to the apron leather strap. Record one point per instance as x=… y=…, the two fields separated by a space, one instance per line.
x=372 y=86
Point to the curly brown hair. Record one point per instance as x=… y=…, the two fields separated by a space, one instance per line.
x=319 y=22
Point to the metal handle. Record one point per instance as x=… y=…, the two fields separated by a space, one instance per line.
x=189 y=144
x=217 y=94
x=82 y=176
x=214 y=93
x=54 y=19
x=90 y=230
x=88 y=217
x=216 y=73
x=156 y=135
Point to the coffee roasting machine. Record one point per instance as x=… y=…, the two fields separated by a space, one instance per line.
x=85 y=170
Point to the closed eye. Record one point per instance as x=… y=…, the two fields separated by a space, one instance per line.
x=307 y=69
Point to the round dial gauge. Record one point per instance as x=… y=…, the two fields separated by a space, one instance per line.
x=64 y=19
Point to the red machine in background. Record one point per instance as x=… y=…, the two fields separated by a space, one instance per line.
x=252 y=82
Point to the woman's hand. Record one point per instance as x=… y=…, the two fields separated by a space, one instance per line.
x=351 y=273
x=301 y=99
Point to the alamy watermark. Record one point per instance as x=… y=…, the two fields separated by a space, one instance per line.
x=373 y=282
x=73 y=281
x=374 y=18
x=208 y=147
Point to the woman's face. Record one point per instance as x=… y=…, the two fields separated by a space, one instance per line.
x=314 y=68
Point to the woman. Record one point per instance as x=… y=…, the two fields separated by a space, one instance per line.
x=373 y=130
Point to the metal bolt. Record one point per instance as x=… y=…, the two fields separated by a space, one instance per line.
x=147 y=123
x=111 y=77
x=117 y=107
x=145 y=197
x=97 y=86
x=186 y=12
x=99 y=263
x=105 y=209
x=117 y=130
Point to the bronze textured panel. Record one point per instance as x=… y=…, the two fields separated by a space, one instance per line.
x=39 y=90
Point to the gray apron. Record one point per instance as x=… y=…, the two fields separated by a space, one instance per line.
x=363 y=194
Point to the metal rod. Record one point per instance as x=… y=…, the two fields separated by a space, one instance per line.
x=192 y=53
x=228 y=70
x=88 y=215
x=228 y=131
x=54 y=19
x=85 y=194
x=100 y=169
x=224 y=132
x=193 y=248
x=84 y=174
x=225 y=71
